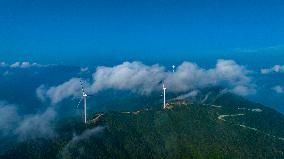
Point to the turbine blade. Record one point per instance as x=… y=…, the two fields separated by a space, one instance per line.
x=79 y=103
x=83 y=91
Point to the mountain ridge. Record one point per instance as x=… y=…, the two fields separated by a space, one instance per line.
x=222 y=126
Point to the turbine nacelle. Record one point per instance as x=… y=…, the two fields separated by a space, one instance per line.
x=164 y=87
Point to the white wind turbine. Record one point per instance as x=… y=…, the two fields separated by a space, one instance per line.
x=173 y=66
x=164 y=89
x=84 y=97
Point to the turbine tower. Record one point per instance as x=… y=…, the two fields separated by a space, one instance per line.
x=164 y=88
x=173 y=66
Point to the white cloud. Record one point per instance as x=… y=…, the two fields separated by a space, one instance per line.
x=143 y=79
x=37 y=125
x=30 y=126
x=3 y=64
x=133 y=76
x=25 y=64
x=15 y=65
x=191 y=94
x=277 y=89
x=274 y=69
x=58 y=93
x=41 y=93
x=243 y=90
x=226 y=73
x=9 y=118
x=84 y=69
x=86 y=135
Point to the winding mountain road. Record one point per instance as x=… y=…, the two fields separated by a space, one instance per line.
x=256 y=110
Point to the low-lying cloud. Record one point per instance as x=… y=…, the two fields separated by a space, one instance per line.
x=86 y=134
x=73 y=145
x=9 y=118
x=191 y=94
x=37 y=125
x=226 y=73
x=25 y=126
x=3 y=64
x=57 y=93
x=133 y=76
x=277 y=89
x=274 y=69
x=144 y=79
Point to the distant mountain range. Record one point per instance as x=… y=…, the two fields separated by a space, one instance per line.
x=209 y=124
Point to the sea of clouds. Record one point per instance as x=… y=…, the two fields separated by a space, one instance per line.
x=145 y=79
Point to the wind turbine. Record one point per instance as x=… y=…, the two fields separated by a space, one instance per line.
x=84 y=95
x=173 y=66
x=164 y=88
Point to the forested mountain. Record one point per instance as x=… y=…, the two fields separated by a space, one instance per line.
x=212 y=124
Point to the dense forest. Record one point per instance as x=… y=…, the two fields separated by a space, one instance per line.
x=210 y=125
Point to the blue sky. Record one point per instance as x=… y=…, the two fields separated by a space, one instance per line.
x=101 y=32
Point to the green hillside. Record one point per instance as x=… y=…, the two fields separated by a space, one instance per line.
x=212 y=125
